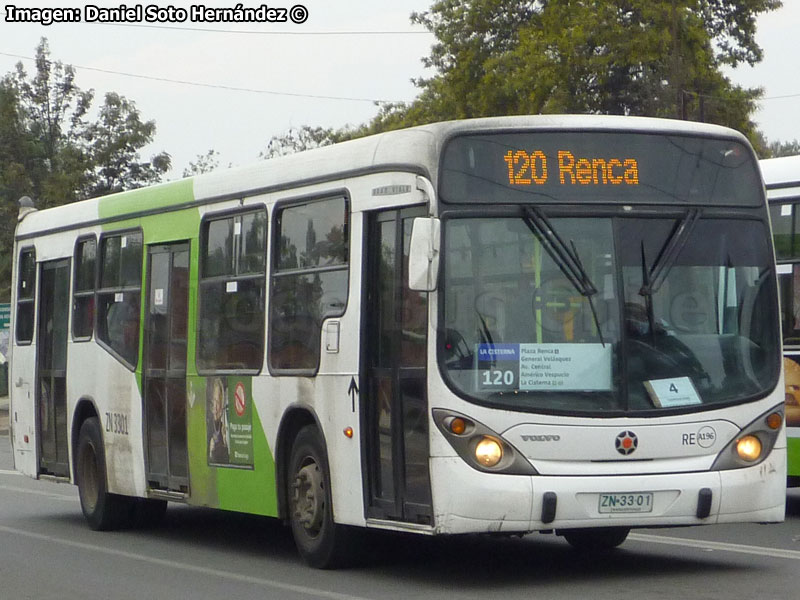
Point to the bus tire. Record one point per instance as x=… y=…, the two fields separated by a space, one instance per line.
x=321 y=542
x=103 y=511
x=596 y=539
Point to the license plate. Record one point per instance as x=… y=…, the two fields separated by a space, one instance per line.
x=637 y=502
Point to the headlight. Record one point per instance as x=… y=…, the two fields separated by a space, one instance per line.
x=479 y=446
x=749 y=448
x=754 y=442
x=488 y=452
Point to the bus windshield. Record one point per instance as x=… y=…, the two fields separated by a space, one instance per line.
x=677 y=318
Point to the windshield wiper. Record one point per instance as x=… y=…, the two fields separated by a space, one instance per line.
x=669 y=253
x=648 y=299
x=564 y=255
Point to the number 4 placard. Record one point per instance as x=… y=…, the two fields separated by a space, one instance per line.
x=669 y=393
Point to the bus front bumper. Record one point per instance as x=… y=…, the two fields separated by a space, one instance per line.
x=469 y=501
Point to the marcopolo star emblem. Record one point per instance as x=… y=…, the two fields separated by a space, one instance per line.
x=626 y=442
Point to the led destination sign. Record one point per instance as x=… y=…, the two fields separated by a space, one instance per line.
x=526 y=168
x=598 y=166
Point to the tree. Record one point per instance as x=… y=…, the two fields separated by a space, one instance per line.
x=53 y=110
x=204 y=163
x=298 y=140
x=15 y=145
x=52 y=151
x=632 y=57
x=777 y=149
x=71 y=157
x=113 y=143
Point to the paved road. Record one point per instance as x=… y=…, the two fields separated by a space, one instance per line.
x=47 y=552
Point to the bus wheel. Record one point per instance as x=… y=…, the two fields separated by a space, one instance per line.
x=321 y=542
x=103 y=511
x=596 y=539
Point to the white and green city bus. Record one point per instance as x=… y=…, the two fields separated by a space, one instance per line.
x=502 y=325
x=782 y=179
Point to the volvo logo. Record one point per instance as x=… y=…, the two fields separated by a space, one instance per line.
x=540 y=438
x=626 y=442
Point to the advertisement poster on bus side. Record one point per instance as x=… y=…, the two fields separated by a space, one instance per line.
x=229 y=421
x=791 y=369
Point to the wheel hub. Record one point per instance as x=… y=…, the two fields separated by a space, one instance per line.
x=309 y=498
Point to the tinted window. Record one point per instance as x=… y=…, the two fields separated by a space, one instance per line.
x=26 y=287
x=309 y=280
x=252 y=249
x=312 y=235
x=784 y=231
x=119 y=295
x=83 y=301
x=218 y=248
x=232 y=292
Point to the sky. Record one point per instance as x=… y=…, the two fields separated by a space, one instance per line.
x=260 y=79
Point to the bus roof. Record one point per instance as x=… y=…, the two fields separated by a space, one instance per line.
x=781 y=176
x=414 y=150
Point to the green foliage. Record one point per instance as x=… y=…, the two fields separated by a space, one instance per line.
x=204 y=163
x=52 y=110
x=660 y=58
x=631 y=57
x=14 y=179
x=113 y=142
x=51 y=150
x=298 y=140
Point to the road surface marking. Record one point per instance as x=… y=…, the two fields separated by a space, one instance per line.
x=13 y=488
x=172 y=564
x=708 y=545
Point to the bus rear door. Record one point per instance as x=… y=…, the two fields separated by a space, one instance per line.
x=51 y=368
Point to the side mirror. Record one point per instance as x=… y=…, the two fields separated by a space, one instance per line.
x=423 y=255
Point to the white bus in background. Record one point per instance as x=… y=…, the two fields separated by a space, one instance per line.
x=502 y=325
x=782 y=180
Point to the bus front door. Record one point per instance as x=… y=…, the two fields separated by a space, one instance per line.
x=164 y=385
x=51 y=363
x=395 y=354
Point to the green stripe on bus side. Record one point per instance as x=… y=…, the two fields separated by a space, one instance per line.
x=251 y=491
x=202 y=478
x=158 y=228
x=174 y=193
x=793 y=452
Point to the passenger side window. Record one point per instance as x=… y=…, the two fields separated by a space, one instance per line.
x=119 y=294
x=26 y=285
x=309 y=280
x=784 y=230
x=232 y=292
x=84 y=288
